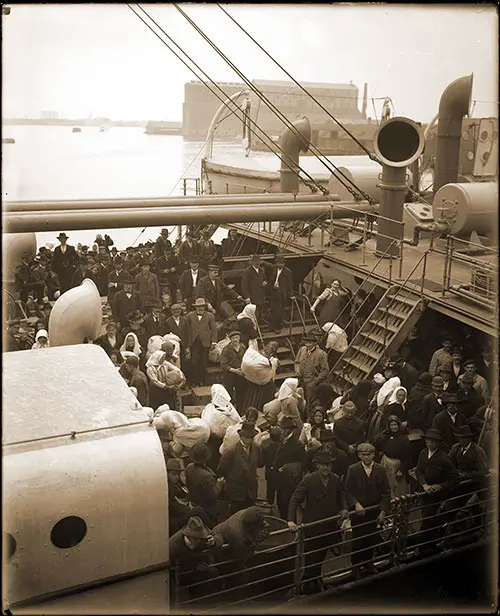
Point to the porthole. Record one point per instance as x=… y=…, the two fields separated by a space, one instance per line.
x=68 y=532
x=10 y=545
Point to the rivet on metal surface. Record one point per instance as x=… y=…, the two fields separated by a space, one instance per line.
x=72 y=434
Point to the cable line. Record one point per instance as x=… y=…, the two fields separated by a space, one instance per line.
x=361 y=145
x=325 y=162
x=235 y=110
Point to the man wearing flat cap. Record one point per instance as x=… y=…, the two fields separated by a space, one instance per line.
x=478 y=382
x=214 y=290
x=64 y=262
x=442 y=355
x=367 y=490
x=230 y=362
x=311 y=366
x=321 y=492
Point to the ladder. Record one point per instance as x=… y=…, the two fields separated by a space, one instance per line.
x=380 y=336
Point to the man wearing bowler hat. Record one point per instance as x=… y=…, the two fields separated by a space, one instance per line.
x=239 y=466
x=201 y=335
x=478 y=382
x=188 y=281
x=280 y=291
x=468 y=457
x=64 y=262
x=321 y=492
x=432 y=404
x=448 y=421
x=203 y=486
x=230 y=362
x=125 y=302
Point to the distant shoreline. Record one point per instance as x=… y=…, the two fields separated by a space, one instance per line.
x=79 y=122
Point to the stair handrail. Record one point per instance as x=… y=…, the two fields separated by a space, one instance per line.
x=382 y=256
x=400 y=286
x=304 y=296
x=304 y=328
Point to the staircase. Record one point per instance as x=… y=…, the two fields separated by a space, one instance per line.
x=380 y=336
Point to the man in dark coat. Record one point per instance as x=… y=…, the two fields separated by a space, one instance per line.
x=201 y=335
x=110 y=340
x=162 y=243
x=126 y=302
x=230 y=362
x=254 y=284
x=188 y=249
x=470 y=402
x=138 y=380
x=214 y=290
x=447 y=422
x=229 y=245
x=468 y=457
x=116 y=278
x=367 y=490
x=437 y=476
x=349 y=430
x=191 y=550
x=188 y=281
x=321 y=493
x=280 y=291
x=202 y=484
x=239 y=468
x=289 y=462
x=178 y=505
x=155 y=323
x=64 y=262
x=432 y=404
x=167 y=270
x=81 y=272
x=408 y=374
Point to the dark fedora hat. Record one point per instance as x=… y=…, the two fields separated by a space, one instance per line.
x=62 y=236
x=463 y=431
x=126 y=278
x=433 y=434
x=135 y=317
x=195 y=528
x=247 y=429
x=322 y=457
x=199 y=453
x=287 y=423
x=450 y=398
x=467 y=378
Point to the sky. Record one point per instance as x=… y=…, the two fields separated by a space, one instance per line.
x=101 y=59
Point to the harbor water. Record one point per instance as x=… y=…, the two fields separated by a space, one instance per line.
x=52 y=162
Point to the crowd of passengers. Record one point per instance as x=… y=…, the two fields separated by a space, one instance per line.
x=413 y=427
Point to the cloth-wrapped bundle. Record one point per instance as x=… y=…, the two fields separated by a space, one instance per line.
x=337 y=338
x=165 y=419
x=195 y=431
x=258 y=368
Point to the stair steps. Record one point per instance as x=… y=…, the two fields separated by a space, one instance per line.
x=380 y=336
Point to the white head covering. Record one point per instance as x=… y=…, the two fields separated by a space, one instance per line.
x=387 y=389
x=38 y=345
x=137 y=347
x=248 y=312
x=154 y=344
x=288 y=388
x=392 y=399
x=220 y=396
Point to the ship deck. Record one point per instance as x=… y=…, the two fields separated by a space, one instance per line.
x=364 y=263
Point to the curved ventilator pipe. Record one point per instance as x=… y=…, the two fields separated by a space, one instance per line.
x=76 y=315
x=292 y=144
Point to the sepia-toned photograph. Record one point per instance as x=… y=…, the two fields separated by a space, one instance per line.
x=250 y=308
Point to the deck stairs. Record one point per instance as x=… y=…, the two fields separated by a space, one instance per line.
x=380 y=336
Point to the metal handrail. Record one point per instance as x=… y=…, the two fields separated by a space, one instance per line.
x=395 y=542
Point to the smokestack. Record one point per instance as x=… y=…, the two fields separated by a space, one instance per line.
x=365 y=101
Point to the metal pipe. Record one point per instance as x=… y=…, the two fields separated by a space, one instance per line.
x=81 y=204
x=398 y=142
x=453 y=106
x=291 y=147
x=227 y=104
x=70 y=220
x=433 y=227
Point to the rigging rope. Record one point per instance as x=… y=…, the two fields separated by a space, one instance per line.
x=325 y=162
x=361 y=145
x=235 y=109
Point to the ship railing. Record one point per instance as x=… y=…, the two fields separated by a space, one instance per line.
x=477 y=284
x=418 y=527
x=187 y=186
x=247 y=188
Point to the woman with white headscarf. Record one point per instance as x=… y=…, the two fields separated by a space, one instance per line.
x=41 y=340
x=247 y=323
x=292 y=404
x=165 y=378
x=130 y=346
x=383 y=396
x=396 y=405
